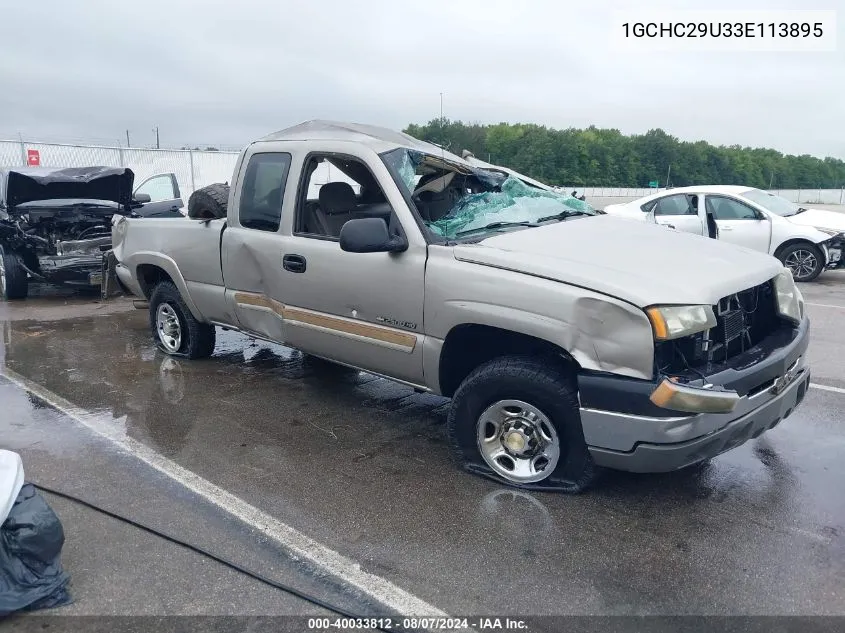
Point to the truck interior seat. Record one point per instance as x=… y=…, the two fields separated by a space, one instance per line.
x=337 y=204
x=434 y=205
x=313 y=223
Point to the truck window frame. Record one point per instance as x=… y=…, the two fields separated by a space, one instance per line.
x=302 y=193
x=288 y=157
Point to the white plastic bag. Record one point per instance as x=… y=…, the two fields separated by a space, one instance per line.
x=11 y=481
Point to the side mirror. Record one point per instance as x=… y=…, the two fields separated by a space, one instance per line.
x=141 y=198
x=370 y=235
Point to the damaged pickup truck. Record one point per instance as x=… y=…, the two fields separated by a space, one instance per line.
x=375 y=250
x=55 y=224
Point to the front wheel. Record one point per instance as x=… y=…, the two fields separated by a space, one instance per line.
x=516 y=419
x=14 y=283
x=176 y=331
x=805 y=260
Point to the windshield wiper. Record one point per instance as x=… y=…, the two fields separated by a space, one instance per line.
x=562 y=215
x=496 y=225
x=800 y=210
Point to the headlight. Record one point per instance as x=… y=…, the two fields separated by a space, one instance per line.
x=829 y=231
x=671 y=322
x=790 y=302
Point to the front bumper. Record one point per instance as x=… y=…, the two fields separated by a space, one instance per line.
x=835 y=247
x=72 y=270
x=626 y=431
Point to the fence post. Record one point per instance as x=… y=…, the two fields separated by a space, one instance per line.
x=120 y=156
x=841 y=190
x=23 y=154
x=193 y=184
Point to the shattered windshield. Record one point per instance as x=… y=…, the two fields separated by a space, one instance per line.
x=457 y=201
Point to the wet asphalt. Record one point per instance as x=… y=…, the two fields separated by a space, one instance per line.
x=362 y=465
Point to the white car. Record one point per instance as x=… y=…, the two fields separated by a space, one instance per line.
x=807 y=241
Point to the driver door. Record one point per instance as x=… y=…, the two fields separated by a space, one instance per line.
x=165 y=198
x=739 y=223
x=362 y=309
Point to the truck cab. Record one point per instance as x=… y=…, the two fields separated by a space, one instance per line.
x=372 y=249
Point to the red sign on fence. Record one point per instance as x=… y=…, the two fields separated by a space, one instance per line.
x=33 y=158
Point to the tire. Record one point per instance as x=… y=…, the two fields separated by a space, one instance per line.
x=14 y=282
x=804 y=259
x=175 y=330
x=209 y=203
x=537 y=394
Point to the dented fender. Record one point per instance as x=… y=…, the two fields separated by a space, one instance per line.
x=600 y=332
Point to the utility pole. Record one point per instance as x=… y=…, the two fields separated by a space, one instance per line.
x=158 y=145
x=442 y=138
x=668 y=173
x=127 y=138
x=771 y=180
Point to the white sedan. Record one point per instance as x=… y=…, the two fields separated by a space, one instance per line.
x=806 y=240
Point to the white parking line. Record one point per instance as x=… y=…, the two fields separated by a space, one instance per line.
x=825 y=305
x=827 y=388
x=298 y=544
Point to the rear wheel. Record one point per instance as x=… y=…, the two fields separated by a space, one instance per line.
x=517 y=419
x=176 y=331
x=14 y=283
x=804 y=259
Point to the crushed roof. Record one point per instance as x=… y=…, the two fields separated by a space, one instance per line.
x=379 y=138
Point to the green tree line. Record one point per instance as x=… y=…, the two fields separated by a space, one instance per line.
x=598 y=157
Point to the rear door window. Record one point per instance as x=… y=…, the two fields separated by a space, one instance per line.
x=679 y=204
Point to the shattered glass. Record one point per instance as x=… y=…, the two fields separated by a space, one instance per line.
x=405 y=163
x=478 y=197
x=514 y=202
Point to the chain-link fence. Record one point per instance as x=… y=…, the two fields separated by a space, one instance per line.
x=193 y=168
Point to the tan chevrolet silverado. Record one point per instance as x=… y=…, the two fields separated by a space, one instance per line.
x=567 y=339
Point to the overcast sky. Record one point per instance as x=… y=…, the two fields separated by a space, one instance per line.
x=224 y=72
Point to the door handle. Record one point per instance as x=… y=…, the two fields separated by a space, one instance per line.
x=726 y=228
x=294 y=263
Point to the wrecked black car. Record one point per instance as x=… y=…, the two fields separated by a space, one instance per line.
x=55 y=224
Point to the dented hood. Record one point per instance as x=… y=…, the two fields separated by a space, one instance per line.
x=643 y=264
x=31 y=184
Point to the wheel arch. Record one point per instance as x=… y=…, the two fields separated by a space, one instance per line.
x=807 y=244
x=793 y=241
x=469 y=345
x=153 y=268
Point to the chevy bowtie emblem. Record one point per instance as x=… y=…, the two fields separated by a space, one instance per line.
x=784 y=381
